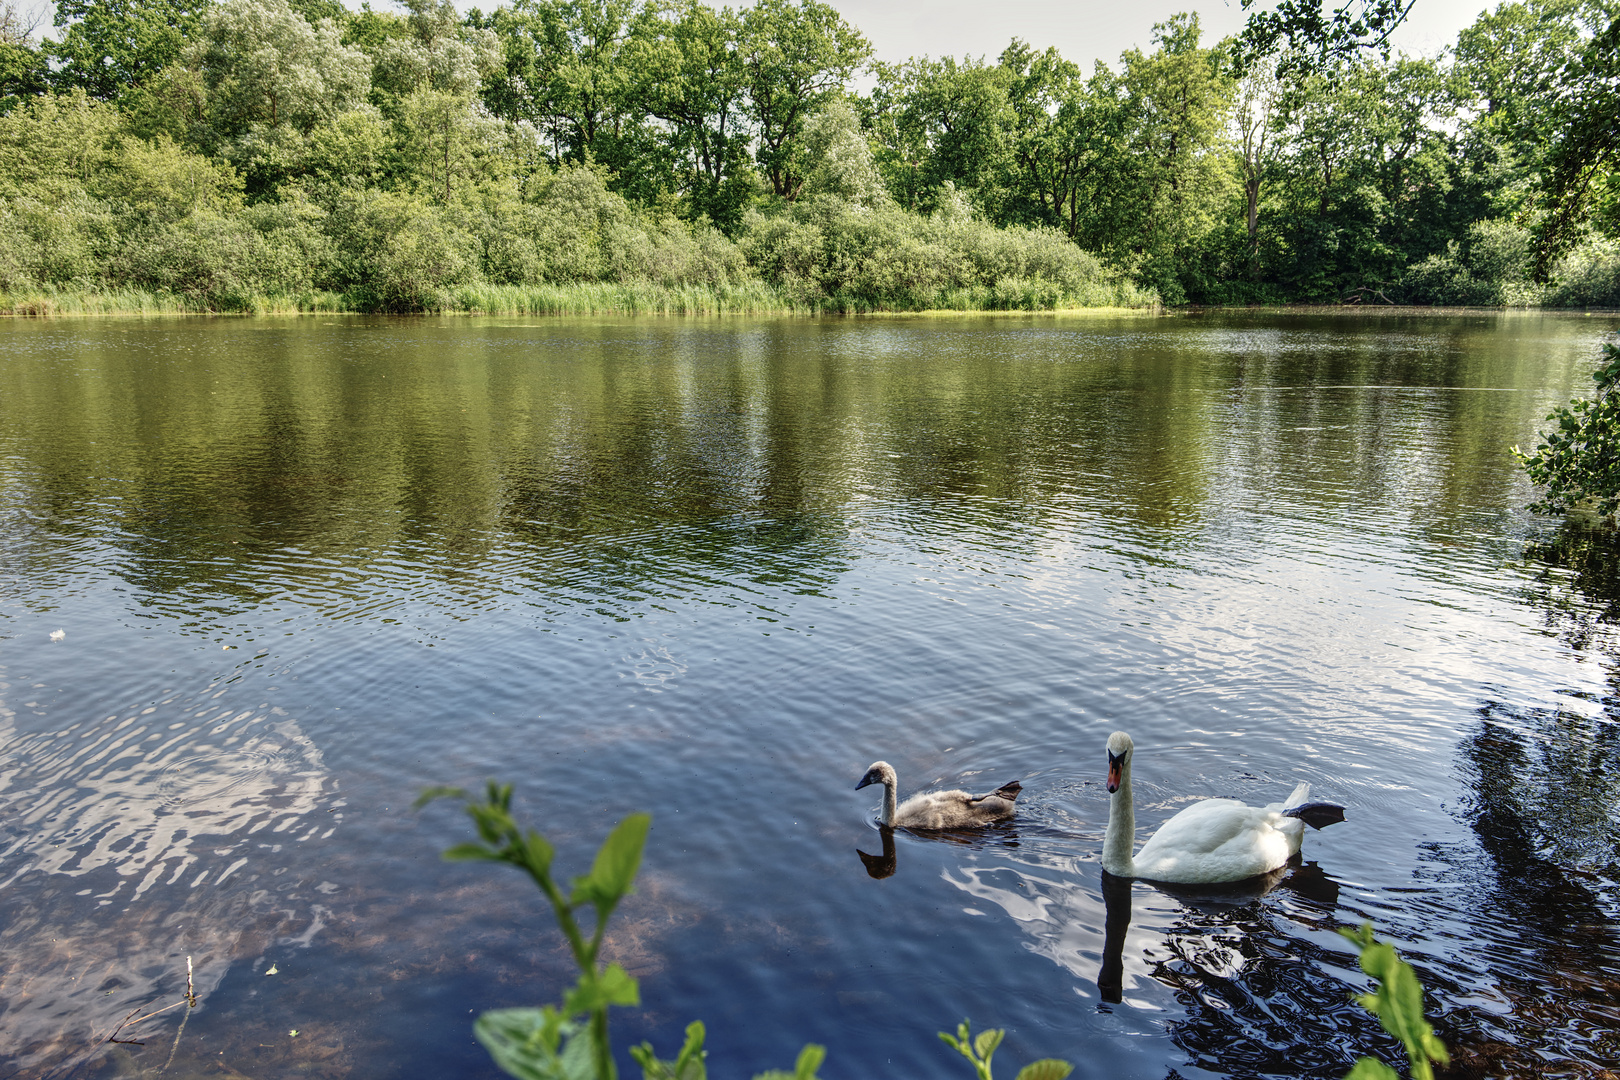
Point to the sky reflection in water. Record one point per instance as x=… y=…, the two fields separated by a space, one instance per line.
x=714 y=569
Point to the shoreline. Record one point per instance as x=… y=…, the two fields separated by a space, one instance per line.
x=632 y=301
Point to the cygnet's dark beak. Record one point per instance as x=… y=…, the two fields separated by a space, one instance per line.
x=1115 y=766
x=867 y=779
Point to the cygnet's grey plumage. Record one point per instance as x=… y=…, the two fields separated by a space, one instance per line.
x=939 y=809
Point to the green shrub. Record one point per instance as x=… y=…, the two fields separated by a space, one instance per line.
x=831 y=254
x=58 y=243
x=206 y=257
x=1491 y=268
x=1578 y=463
x=1589 y=276
x=398 y=253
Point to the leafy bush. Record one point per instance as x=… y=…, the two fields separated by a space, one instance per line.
x=398 y=253
x=1589 y=276
x=826 y=252
x=1491 y=269
x=58 y=243
x=1578 y=463
x=205 y=256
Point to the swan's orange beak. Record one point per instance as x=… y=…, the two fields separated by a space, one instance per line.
x=1114 y=764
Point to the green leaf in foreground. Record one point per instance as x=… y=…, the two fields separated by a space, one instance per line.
x=616 y=864
x=810 y=1059
x=689 y=1064
x=535 y=1044
x=1371 y=1069
x=1398 y=1004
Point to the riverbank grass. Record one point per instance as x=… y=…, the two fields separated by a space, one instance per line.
x=748 y=297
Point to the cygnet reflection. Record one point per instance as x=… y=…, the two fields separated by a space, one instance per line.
x=883 y=865
x=880 y=866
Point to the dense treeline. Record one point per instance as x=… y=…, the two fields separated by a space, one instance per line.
x=668 y=155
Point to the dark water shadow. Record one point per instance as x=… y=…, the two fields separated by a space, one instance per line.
x=1541 y=796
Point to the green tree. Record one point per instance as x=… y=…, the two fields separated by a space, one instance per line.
x=446 y=142
x=1310 y=37
x=1178 y=99
x=692 y=78
x=1254 y=116
x=937 y=122
x=1585 y=154
x=797 y=57
x=23 y=64
x=108 y=47
x=1056 y=132
x=269 y=78
x=837 y=159
x=569 y=71
x=52 y=145
x=431 y=49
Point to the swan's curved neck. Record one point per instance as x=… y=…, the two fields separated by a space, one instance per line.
x=888 y=802
x=1121 y=836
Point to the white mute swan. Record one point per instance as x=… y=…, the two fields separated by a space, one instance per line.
x=1210 y=841
x=939 y=809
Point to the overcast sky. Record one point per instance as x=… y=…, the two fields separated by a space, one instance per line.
x=1088 y=30
x=1082 y=30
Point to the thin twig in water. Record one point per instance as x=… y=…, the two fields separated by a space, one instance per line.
x=176 y=1047
x=113 y=1038
x=191 y=1003
x=154 y=1012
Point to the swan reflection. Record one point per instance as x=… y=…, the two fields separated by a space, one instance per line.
x=1053 y=898
x=1305 y=879
x=1116 y=893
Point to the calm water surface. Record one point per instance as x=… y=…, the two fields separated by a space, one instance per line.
x=261 y=581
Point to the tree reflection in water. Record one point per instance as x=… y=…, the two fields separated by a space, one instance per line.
x=1543 y=799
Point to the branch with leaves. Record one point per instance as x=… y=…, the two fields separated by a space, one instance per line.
x=1578 y=462
x=554 y=1043
x=1311 y=37
x=547 y=1043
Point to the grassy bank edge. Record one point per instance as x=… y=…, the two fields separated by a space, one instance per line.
x=747 y=298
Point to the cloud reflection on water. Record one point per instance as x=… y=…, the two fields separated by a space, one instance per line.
x=144 y=837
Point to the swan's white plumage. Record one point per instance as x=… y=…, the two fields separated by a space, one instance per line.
x=1213 y=840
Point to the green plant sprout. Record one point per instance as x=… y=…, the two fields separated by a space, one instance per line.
x=978 y=1049
x=550 y=1043
x=545 y=1043
x=1398 y=1004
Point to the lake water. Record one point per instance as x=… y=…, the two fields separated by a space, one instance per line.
x=261 y=581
